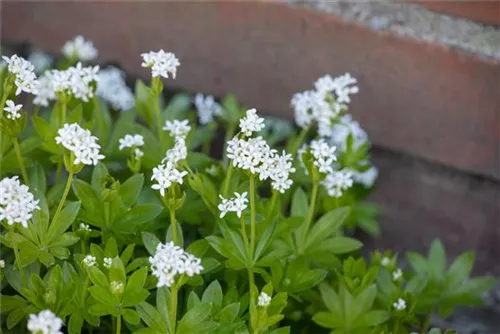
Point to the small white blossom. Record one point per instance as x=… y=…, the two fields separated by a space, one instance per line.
x=77 y=81
x=165 y=175
x=40 y=61
x=337 y=182
x=236 y=204
x=280 y=172
x=385 y=261
x=342 y=129
x=252 y=154
x=112 y=88
x=80 y=49
x=25 y=78
x=131 y=141
x=303 y=103
x=212 y=170
x=117 y=287
x=324 y=155
x=264 y=299
x=251 y=123
x=81 y=142
x=397 y=274
x=46 y=322
x=107 y=261
x=16 y=202
x=84 y=227
x=400 y=304
x=177 y=129
x=13 y=110
x=170 y=260
x=46 y=91
x=138 y=153
x=207 y=108
x=2 y=264
x=161 y=63
x=366 y=178
x=89 y=261
x=178 y=152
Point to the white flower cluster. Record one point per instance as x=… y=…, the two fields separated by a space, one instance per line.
x=236 y=204
x=132 y=141
x=81 y=142
x=251 y=123
x=84 y=227
x=170 y=260
x=13 y=110
x=2 y=264
x=323 y=155
x=400 y=304
x=397 y=274
x=264 y=299
x=323 y=105
x=89 y=261
x=80 y=49
x=385 y=261
x=344 y=127
x=207 y=108
x=336 y=182
x=161 y=63
x=106 y=262
x=111 y=87
x=46 y=322
x=40 y=61
x=16 y=202
x=25 y=78
x=117 y=287
x=177 y=129
x=77 y=81
x=366 y=178
x=256 y=156
x=165 y=175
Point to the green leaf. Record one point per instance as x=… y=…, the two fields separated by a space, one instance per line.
x=89 y=198
x=102 y=295
x=130 y=189
x=374 y=318
x=219 y=245
x=131 y=316
x=213 y=295
x=15 y=317
x=151 y=317
x=38 y=181
x=330 y=299
x=437 y=259
x=150 y=242
x=117 y=271
x=100 y=310
x=137 y=216
x=192 y=320
x=229 y=313
x=299 y=205
x=366 y=298
x=264 y=241
x=460 y=269
x=65 y=240
x=64 y=221
x=418 y=262
x=324 y=319
x=335 y=245
x=327 y=225
x=97 y=277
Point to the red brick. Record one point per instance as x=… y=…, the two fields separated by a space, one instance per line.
x=419 y=98
x=482 y=11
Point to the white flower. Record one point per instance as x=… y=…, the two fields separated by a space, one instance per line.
x=347 y=126
x=177 y=129
x=385 y=261
x=40 y=61
x=89 y=261
x=207 y=108
x=107 y=261
x=264 y=299
x=170 y=260
x=336 y=182
x=117 y=287
x=23 y=70
x=178 y=152
x=212 y=170
x=13 y=110
x=112 y=88
x=80 y=49
x=236 y=204
x=280 y=172
x=46 y=90
x=84 y=227
x=400 y=304
x=253 y=154
x=45 y=322
x=344 y=86
x=81 y=142
x=366 y=178
x=251 y=123
x=16 y=202
x=138 y=153
x=2 y=264
x=396 y=275
x=161 y=63
x=324 y=155
x=76 y=80
x=165 y=175
x=303 y=103
x=131 y=141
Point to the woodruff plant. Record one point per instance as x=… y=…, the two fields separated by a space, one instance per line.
x=118 y=217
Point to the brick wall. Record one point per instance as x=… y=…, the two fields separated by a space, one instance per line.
x=429 y=102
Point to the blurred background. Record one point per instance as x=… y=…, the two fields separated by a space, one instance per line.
x=428 y=72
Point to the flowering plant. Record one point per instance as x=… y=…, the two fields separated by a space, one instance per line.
x=118 y=216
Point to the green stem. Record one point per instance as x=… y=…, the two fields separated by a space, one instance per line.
x=84 y=291
x=252 y=215
x=173 y=223
x=227 y=181
x=229 y=134
x=16 y=254
x=173 y=308
x=84 y=248
x=310 y=214
x=63 y=113
x=63 y=199
x=298 y=142
x=2 y=105
x=252 y=306
x=119 y=324
x=427 y=322
x=245 y=236
x=17 y=149
x=274 y=198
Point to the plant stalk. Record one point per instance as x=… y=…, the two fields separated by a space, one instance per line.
x=252 y=214
x=227 y=181
x=174 y=227
x=63 y=199
x=173 y=308
x=19 y=157
x=16 y=255
x=119 y=324
x=310 y=214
